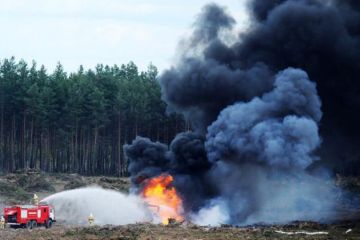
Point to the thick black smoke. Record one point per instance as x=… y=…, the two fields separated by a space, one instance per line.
x=254 y=144
x=200 y=86
x=148 y=159
x=256 y=115
x=188 y=153
x=279 y=129
x=185 y=160
x=320 y=37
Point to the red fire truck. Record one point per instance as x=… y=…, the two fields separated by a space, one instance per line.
x=30 y=216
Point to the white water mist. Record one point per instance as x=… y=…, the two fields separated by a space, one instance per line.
x=107 y=206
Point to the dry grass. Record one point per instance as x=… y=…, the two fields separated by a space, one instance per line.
x=184 y=231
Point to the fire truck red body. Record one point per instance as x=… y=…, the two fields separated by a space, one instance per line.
x=29 y=216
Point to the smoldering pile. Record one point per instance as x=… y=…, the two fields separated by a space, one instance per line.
x=253 y=155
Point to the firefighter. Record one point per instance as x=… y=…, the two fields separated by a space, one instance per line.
x=36 y=199
x=91 y=219
x=2 y=222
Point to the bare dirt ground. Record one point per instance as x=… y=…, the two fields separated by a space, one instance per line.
x=20 y=187
x=187 y=231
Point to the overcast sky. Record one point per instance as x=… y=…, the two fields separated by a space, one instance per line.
x=88 y=32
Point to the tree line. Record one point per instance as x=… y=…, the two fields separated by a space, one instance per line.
x=78 y=122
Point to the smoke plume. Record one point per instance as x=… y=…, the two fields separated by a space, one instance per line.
x=279 y=129
x=254 y=106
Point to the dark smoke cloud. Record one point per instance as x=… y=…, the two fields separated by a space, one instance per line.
x=200 y=89
x=256 y=115
x=259 y=144
x=208 y=26
x=261 y=9
x=279 y=129
x=188 y=153
x=147 y=158
x=201 y=86
x=322 y=38
x=185 y=159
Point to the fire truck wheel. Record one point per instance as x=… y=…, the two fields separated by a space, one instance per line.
x=48 y=223
x=34 y=224
x=29 y=225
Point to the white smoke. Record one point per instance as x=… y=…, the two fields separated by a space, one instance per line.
x=296 y=196
x=215 y=214
x=107 y=207
x=279 y=198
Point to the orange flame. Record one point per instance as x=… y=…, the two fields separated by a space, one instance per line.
x=158 y=193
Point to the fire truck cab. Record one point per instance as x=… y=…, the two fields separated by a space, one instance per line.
x=30 y=216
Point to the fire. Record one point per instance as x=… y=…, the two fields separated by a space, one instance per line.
x=163 y=198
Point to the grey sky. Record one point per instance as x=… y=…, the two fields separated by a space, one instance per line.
x=88 y=32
